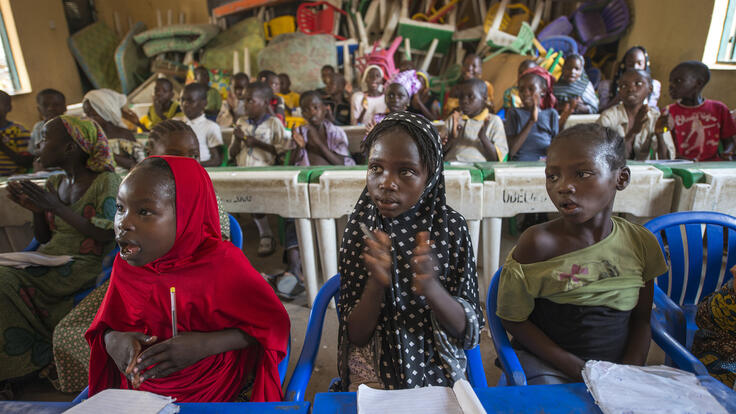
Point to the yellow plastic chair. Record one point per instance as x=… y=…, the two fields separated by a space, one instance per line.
x=294 y=121
x=278 y=26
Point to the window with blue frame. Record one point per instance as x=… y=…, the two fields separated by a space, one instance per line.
x=727 y=47
x=9 y=80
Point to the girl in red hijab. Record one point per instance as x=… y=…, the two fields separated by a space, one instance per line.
x=232 y=330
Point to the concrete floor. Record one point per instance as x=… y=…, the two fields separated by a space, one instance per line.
x=325 y=368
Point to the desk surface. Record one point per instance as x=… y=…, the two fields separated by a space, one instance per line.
x=37 y=407
x=550 y=399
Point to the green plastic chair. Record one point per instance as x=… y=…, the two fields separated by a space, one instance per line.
x=442 y=84
x=522 y=45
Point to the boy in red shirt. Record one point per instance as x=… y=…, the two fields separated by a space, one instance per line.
x=699 y=124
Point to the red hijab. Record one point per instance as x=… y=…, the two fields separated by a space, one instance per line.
x=216 y=289
x=549 y=100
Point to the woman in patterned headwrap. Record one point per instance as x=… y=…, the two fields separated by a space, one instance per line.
x=72 y=216
x=409 y=291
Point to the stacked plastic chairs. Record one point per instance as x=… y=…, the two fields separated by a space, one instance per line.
x=598 y=23
x=380 y=57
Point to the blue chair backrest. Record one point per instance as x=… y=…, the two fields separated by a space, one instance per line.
x=236 y=233
x=514 y=373
x=297 y=387
x=567 y=45
x=686 y=282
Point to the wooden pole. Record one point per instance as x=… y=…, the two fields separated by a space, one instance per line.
x=159 y=18
x=236 y=62
x=246 y=62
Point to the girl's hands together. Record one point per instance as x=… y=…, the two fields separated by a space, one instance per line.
x=124 y=349
x=169 y=356
x=377 y=258
x=34 y=198
x=425 y=266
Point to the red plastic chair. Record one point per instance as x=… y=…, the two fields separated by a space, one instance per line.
x=312 y=19
x=380 y=57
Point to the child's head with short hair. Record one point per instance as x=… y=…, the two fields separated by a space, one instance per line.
x=202 y=75
x=163 y=92
x=373 y=79
x=285 y=82
x=326 y=72
x=635 y=58
x=149 y=187
x=194 y=100
x=273 y=81
x=472 y=94
x=58 y=146
x=524 y=66
x=635 y=86
x=585 y=167
x=573 y=68
x=401 y=87
x=173 y=137
x=532 y=90
x=688 y=79
x=257 y=98
x=51 y=103
x=238 y=85
x=313 y=109
x=402 y=157
x=471 y=66
x=336 y=85
x=5 y=105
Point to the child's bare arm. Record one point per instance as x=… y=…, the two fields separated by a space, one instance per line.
x=729 y=147
x=24 y=160
x=253 y=142
x=487 y=143
x=640 y=333
x=538 y=343
x=215 y=157
x=187 y=349
x=317 y=143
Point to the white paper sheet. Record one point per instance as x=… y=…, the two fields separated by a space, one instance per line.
x=469 y=402
x=427 y=400
x=125 y=401
x=21 y=260
x=625 y=389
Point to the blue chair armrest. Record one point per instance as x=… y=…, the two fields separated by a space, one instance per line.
x=32 y=246
x=82 y=395
x=506 y=354
x=675 y=350
x=476 y=373
x=675 y=321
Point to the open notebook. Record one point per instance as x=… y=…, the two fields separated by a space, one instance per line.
x=460 y=399
x=125 y=401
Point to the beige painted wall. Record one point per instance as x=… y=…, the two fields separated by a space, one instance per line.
x=145 y=11
x=48 y=60
x=674 y=31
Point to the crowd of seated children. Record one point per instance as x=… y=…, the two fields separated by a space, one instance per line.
x=15 y=155
x=164 y=107
x=641 y=125
x=233 y=108
x=699 y=125
x=473 y=132
x=105 y=107
x=71 y=351
x=318 y=142
x=214 y=99
x=579 y=287
x=232 y=329
x=291 y=98
x=259 y=140
x=72 y=215
x=530 y=128
x=369 y=100
x=574 y=89
x=634 y=58
x=392 y=295
x=193 y=103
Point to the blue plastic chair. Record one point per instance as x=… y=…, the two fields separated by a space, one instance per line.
x=691 y=276
x=236 y=233
x=513 y=373
x=565 y=44
x=297 y=387
x=106 y=269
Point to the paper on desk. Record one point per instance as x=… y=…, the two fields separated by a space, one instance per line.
x=125 y=401
x=21 y=260
x=427 y=400
x=623 y=389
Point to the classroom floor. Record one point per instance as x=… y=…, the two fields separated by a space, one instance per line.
x=325 y=368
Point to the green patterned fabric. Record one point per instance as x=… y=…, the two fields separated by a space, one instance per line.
x=94 y=49
x=176 y=38
x=219 y=52
x=38 y=297
x=130 y=61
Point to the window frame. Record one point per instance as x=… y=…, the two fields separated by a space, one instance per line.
x=728 y=36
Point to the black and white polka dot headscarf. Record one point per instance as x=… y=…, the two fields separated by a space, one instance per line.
x=410 y=347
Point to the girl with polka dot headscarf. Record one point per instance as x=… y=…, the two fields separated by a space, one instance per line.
x=409 y=288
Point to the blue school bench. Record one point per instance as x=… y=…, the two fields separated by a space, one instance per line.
x=42 y=407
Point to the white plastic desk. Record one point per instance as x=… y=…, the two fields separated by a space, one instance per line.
x=517 y=188
x=333 y=194
x=272 y=190
x=706 y=187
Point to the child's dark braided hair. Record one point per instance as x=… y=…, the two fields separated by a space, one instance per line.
x=168 y=126
x=159 y=165
x=427 y=153
x=309 y=95
x=609 y=143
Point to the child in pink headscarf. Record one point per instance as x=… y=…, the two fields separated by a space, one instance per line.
x=401 y=87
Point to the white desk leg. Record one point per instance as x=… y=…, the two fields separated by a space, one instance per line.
x=474 y=229
x=491 y=250
x=306 y=250
x=327 y=239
